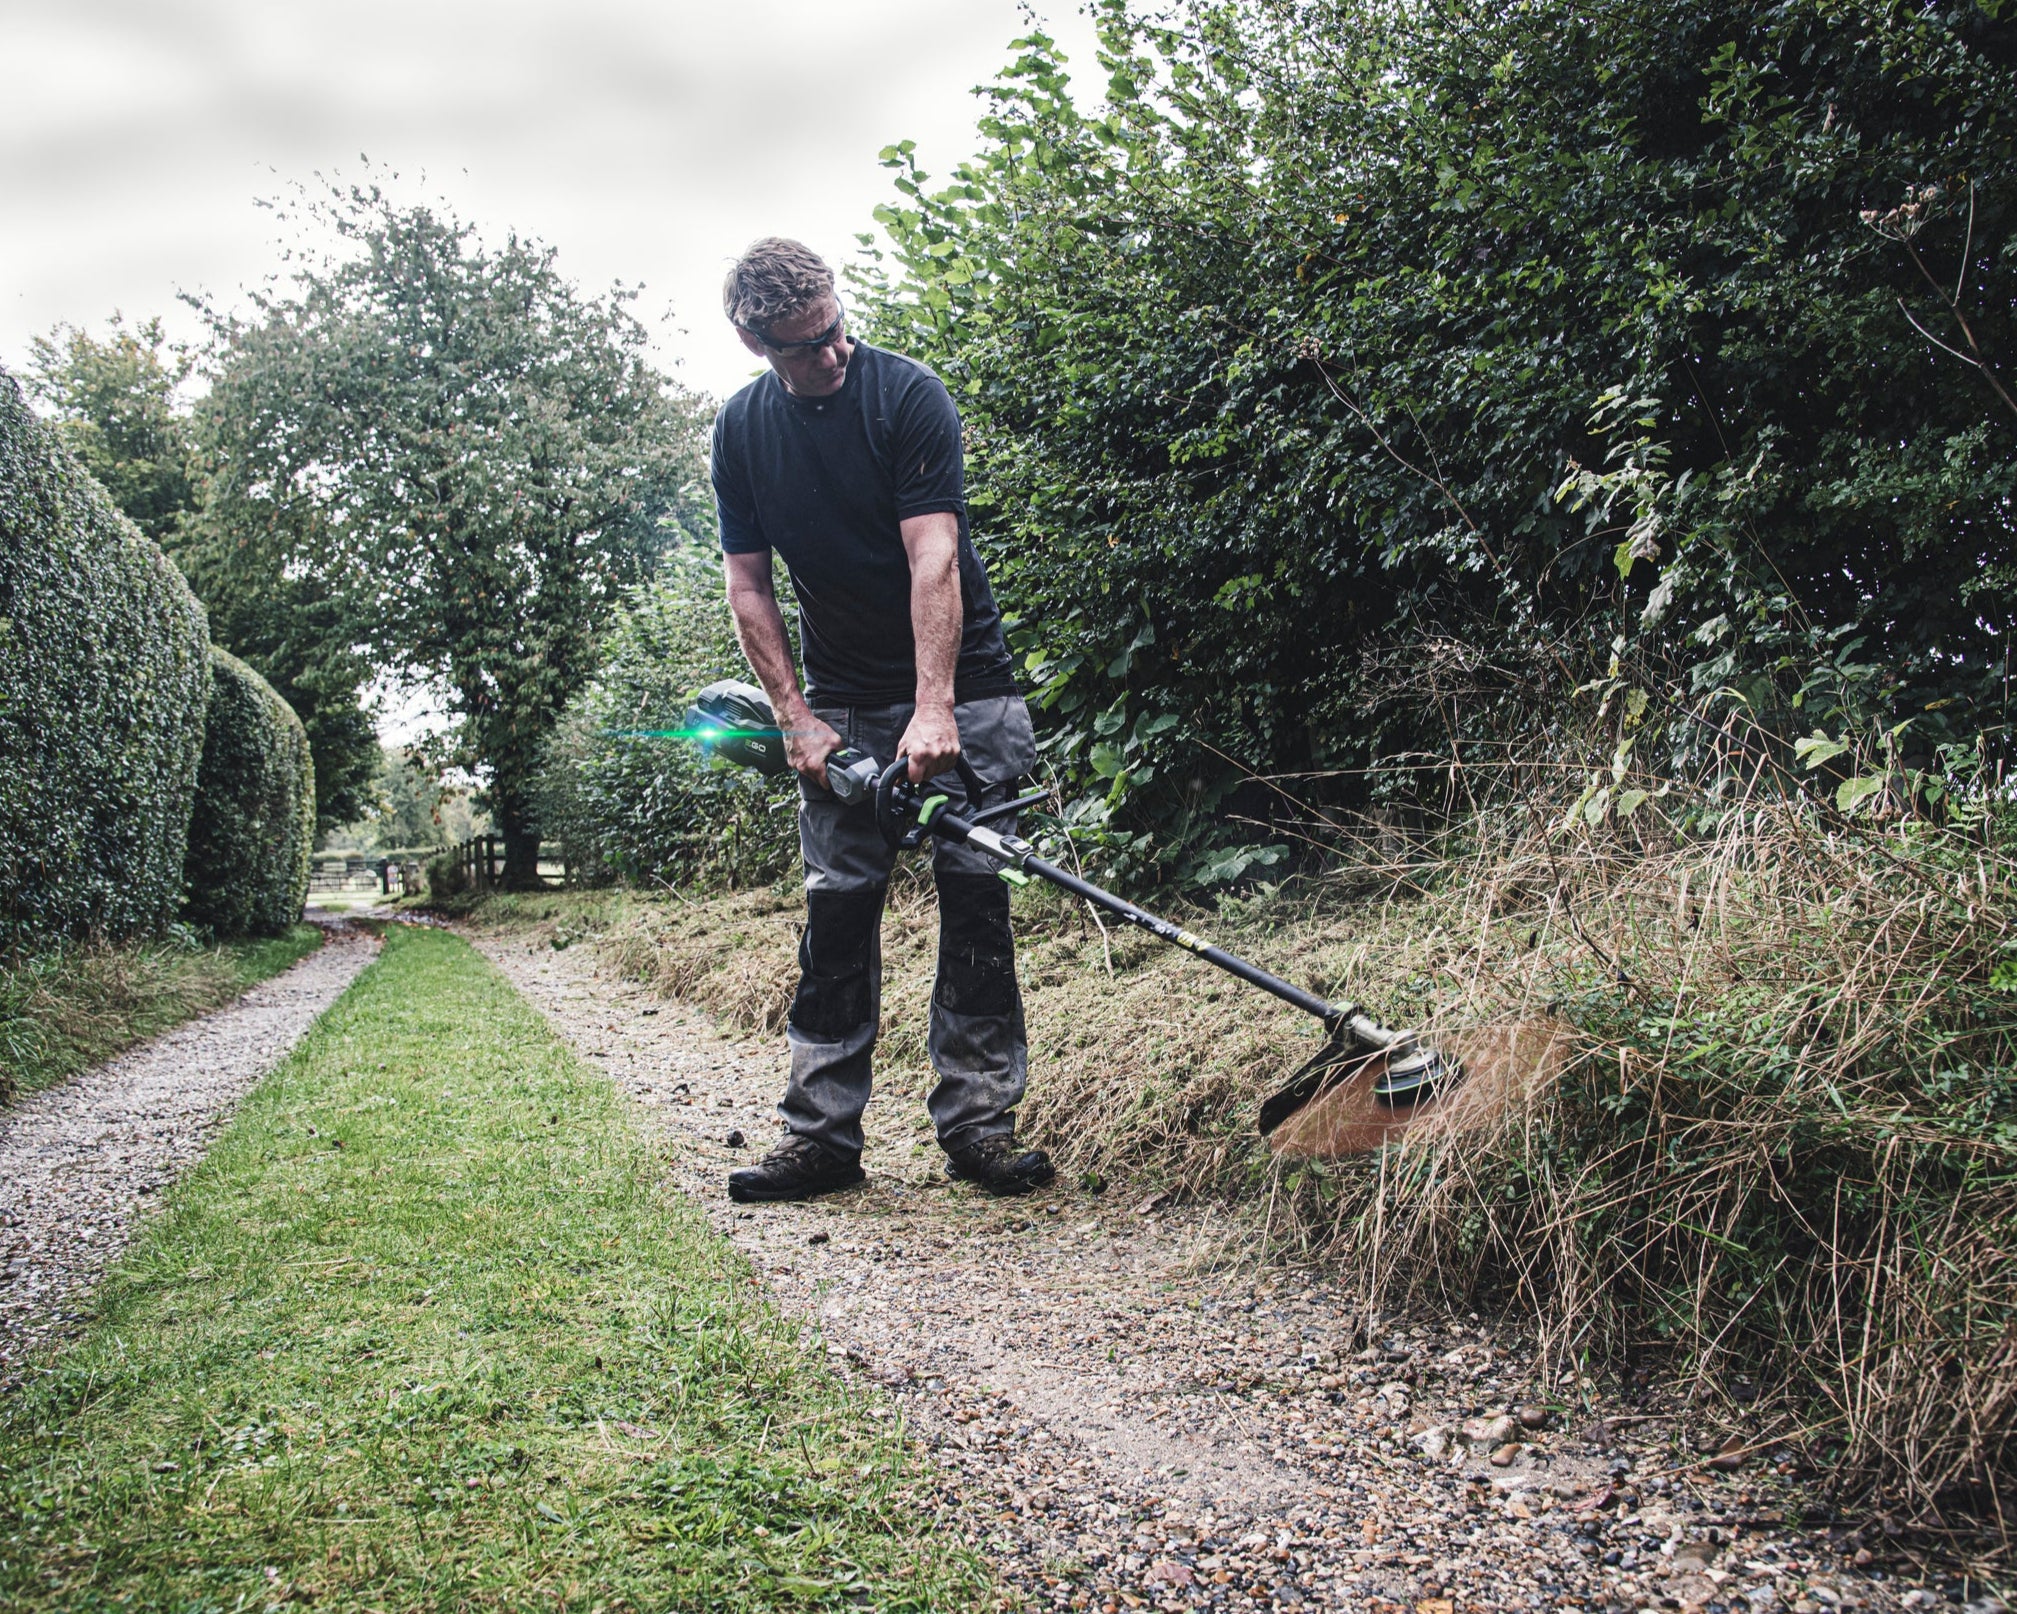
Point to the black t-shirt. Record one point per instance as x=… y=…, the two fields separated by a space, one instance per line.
x=824 y=482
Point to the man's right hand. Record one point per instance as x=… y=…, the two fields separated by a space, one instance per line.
x=808 y=742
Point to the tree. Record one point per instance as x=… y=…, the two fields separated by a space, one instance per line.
x=466 y=456
x=116 y=408
x=417 y=806
x=288 y=629
x=410 y=801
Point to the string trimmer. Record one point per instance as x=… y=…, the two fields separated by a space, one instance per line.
x=735 y=722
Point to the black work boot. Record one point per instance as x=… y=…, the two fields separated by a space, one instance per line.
x=797 y=1168
x=997 y=1165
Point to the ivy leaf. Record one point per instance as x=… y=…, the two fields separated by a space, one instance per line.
x=1230 y=863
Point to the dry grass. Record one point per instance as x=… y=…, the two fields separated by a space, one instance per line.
x=1778 y=1163
x=1781 y=1157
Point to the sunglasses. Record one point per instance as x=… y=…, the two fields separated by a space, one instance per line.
x=824 y=339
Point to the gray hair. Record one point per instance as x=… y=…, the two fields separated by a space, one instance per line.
x=772 y=280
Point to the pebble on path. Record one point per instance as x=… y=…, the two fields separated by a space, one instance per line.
x=1124 y=1412
x=81 y=1162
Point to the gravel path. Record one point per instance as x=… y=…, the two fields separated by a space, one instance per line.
x=81 y=1162
x=1124 y=1418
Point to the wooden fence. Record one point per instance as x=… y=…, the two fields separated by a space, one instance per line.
x=402 y=871
x=364 y=871
x=481 y=859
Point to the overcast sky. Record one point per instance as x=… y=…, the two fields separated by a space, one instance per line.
x=647 y=139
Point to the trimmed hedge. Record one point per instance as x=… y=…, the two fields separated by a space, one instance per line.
x=254 y=825
x=104 y=677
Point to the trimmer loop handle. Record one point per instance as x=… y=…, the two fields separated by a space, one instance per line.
x=898 y=802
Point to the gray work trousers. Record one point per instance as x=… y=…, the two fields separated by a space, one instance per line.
x=977 y=1041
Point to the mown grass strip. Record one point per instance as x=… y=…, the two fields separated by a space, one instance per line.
x=429 y=1329
x=69 y=1008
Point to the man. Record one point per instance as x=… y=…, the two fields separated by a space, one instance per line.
x=845 y=461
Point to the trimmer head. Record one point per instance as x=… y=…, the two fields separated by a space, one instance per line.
x=1414 y=1075
x=1410 y=1074
x=1475 y=1080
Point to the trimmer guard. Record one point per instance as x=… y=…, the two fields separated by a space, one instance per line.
x=1409 y=1074
x=1328 y=1065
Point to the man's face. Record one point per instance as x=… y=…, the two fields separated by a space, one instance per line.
x=807 y=372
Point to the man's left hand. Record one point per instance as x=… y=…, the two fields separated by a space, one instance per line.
x=931 y=743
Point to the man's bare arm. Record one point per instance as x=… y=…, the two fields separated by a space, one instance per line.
x=759 y=629
x=936 y=617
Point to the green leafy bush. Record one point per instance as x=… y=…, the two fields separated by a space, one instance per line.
x=254 y=824
x=626 y=798
x=446 y=877
x=114 y=402
x=104 y=676
x=1347 y=385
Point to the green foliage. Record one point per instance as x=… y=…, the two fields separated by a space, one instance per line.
x=254 y=823
x=465 y=456
x=416 y=806
x=413 y=804
x=115 y=409
x=630 y=801
x=1357 y=381
x=104 y=676
x=446 y=877
x=288 y=630
x=411 y=797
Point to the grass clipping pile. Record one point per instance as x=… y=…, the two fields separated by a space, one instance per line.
x=1758 y=1129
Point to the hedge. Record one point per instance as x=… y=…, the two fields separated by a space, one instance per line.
x=254 y=824
x=104 y=677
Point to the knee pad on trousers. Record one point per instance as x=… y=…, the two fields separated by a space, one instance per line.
x=976 y=948
x=835 y=992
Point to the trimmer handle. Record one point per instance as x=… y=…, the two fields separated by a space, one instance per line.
x=897 y=801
